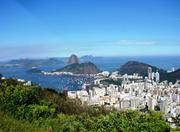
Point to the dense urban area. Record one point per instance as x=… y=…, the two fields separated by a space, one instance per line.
x=109 y=102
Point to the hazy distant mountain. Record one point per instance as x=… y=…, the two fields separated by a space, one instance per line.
x=34 y=70
x=141 y=68
x=33 y=62
x=87 y=57
x=83 y=68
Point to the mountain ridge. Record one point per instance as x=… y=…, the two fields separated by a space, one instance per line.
x=141 y=68
x=81 y=68
x=175 y=74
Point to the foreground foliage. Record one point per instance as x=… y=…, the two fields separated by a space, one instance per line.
x=31 y=108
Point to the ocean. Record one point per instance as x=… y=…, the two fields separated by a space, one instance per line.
x=62 y=82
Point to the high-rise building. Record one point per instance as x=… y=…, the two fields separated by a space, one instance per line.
x=152 y=76
x=163 y=105
x=151 y=102
x=149 y=73
x=157 y=76
x=145 y=83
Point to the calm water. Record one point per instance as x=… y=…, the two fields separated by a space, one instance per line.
x=73 y=83
x=113 y=63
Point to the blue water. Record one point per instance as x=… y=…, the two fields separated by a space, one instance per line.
x=59 y=82
x=73 y=83
x=113 y=63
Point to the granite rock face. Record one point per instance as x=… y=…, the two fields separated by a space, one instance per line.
x=73 y=59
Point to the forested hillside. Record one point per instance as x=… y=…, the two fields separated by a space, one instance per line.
x=32 y=108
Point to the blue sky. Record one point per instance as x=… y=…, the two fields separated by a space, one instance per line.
x=47 y=28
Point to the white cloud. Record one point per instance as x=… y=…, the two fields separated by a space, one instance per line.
x=136 y=42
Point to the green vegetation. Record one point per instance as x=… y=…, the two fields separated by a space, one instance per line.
x=111 y=81
x=31 y=108
x=175 y=74
x=83 y=68
x=141 y=68
x=10 y=124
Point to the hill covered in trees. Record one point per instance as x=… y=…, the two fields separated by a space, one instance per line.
x=141 y=68
x=32 y=108
x=175 y=74
x=82 y=68
x=79 y=68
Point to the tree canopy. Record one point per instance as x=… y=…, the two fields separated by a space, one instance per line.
x=32 y=108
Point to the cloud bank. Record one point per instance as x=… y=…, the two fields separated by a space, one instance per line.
x=136 y=42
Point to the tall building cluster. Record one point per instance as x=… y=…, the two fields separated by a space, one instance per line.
x=134 y=92
x=154 y=76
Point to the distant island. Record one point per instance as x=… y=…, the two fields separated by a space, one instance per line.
x=32 y=62
x=79 y=68
x=73 y=67
x=34 y=70
x=130 y=67
x=87 y=57
x=82 y=68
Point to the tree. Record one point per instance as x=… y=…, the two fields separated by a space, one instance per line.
x=56 y=112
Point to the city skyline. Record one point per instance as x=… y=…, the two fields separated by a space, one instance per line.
x=44 y=28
